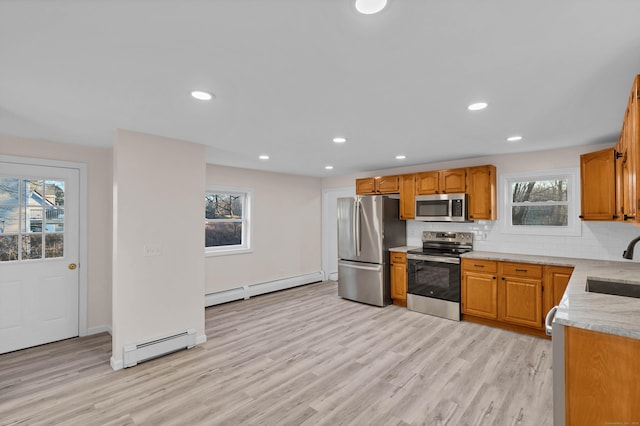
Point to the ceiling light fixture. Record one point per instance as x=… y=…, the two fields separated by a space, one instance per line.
x=328 y=167
x=477 y=106
x=202 y=96
x=339 y=140
x=264 y=157
x=369 y=7
x=514 y=138
x=400 y=157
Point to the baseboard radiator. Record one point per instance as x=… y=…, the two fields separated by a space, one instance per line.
x=139 y=352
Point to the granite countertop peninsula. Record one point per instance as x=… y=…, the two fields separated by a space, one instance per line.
x=404 y=249
x=605 y=313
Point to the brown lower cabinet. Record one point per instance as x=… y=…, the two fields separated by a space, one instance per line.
x=602 y=378
x=398 y=278
x=511 y=295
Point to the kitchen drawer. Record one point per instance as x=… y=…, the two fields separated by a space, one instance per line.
x=398 y=257
x=528 y=270
x=480 y=265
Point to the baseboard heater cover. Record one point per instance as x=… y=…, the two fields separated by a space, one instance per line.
x=248 y=291
x=139 y=352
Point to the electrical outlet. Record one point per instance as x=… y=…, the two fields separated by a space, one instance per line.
x=151 y=250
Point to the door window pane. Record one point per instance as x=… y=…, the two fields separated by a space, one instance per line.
x=32 y=219
x=54 y=219
x=9 y=219
x=54 y=192
x=29 y=207
x=8 y=248
x=32 y=246
x=53 y=245
x=9 y=190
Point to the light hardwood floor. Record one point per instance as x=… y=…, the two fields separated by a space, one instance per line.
x=297 y=357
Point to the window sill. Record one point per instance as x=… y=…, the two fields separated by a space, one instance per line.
x=227 y=252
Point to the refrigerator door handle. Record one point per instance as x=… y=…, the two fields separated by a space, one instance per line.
x=356 y=230
x=363 y=267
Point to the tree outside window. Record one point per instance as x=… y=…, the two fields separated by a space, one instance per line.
x=226 y=220
x=539 y=202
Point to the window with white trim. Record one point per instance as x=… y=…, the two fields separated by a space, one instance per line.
x=227 y=221
x=542 y=203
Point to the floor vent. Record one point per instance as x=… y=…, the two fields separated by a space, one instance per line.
x=137 y=353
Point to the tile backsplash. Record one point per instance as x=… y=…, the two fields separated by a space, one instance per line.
x=599 y=240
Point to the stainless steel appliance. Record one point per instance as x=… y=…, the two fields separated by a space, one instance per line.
x=557 y=349
x=442 y=208
x=433 y=273
x=368 y=226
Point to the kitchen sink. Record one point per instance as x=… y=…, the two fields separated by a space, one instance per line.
x=617 y=288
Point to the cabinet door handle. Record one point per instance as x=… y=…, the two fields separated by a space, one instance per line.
x=495 y=278
x=627 y=217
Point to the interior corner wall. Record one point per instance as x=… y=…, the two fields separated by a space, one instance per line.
x=98 y=162
x=158 y=262
x=286 y=239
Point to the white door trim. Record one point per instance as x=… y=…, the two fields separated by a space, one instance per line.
x=330 y=227
x=82 y=272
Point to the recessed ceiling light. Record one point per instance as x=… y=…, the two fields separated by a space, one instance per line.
x=328 y=167
x=339 y=140
x=400 y=157
x=200 y=95
x=369 y=7
x=514 y=138
x=264 y=157
x=477 y=106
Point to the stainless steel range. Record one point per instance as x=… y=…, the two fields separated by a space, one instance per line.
x=434 y=273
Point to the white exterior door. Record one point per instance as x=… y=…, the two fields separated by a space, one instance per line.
x=39 y=242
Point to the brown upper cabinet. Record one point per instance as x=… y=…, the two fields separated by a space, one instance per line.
x=481 y=190
x=378 y=185
x=407 y=196
x=609 y=177
x=597 y=185
x=479 y=183
x=441 y=182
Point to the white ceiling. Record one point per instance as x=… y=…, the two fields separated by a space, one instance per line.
x=289 y=75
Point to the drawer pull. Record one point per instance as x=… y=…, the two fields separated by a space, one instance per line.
x=478 y=266
x=521 y=270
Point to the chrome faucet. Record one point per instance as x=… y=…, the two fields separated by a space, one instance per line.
x=628 y=253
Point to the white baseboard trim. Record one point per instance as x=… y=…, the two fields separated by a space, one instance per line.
x=251 y=290
x=333 y=276
x=201 y=339
x=116 y=364
x=99 y=329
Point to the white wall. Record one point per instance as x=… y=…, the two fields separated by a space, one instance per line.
x=286 y=229
x=99 y=182
x=598 y=240
x=158 y=202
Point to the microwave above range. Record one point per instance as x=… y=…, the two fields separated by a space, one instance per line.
x=442 y=208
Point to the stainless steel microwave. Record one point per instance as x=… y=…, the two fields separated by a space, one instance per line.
x=441 y=208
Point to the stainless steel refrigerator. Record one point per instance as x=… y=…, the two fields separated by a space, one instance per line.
x=368 y=226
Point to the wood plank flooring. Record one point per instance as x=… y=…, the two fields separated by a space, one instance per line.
x=297 y=357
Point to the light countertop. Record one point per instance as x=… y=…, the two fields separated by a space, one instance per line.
x=404 y=249
x=579 y=308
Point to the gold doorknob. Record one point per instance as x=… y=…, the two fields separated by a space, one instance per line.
x=72 y=266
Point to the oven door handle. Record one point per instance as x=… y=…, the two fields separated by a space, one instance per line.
x=435 y=259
